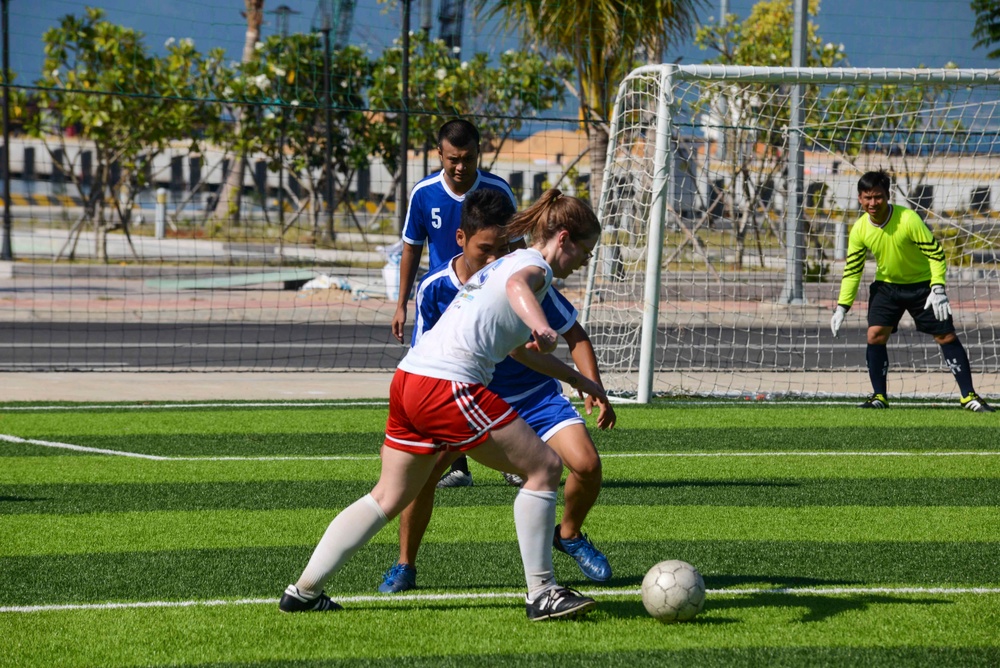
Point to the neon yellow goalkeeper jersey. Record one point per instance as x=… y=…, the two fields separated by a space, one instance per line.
x=904 y=248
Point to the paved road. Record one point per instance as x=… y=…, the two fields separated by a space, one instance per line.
x=62 y=346
x=196 y=346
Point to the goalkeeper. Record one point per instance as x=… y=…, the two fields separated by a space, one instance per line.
x=910 y=277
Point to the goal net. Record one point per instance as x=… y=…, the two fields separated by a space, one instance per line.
x=727 y=197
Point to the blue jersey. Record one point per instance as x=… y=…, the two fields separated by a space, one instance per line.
x=435 y=212
x=511 y=379
x=437 y=289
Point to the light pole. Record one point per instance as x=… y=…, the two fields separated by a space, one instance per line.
x=7 y=253
x=404 y=127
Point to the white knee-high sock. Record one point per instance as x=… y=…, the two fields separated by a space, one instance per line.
x=347 y=533
x=535 y=521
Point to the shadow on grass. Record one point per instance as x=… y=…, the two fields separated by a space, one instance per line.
x=709 y=484
x=22 y=499
x=818 y=607
x=633 y=608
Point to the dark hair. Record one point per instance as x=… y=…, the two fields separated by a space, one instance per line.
x=873 y=180
x=552 y=213
x=459 y=133
x=485 y=207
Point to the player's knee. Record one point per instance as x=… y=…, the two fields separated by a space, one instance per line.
x=550 y=467
x=587 y=468
x=944 y=339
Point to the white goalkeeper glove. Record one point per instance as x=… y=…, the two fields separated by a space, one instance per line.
x=837 y=320
x=938 y=300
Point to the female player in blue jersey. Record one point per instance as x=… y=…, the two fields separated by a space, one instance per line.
x=537 y=397
x=439 y=402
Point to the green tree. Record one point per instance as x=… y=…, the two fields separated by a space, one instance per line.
x=100 y=79
x=754 y=117
x=987 y=28
x=19 y=105
x=498 y=97
x=604 y=39
x=285 y=118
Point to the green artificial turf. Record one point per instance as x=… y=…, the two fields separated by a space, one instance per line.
x=790 y=504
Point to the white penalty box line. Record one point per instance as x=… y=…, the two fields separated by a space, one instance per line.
x=484 y=596
x=284 y=458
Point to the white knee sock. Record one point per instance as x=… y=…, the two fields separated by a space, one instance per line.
x=535 y=521
x=347 y=533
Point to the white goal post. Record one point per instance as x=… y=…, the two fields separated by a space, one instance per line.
x=725 y=210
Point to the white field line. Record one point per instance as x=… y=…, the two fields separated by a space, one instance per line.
x=735 y=401
x=466 y=596
x=79 y=448
x=800 y=454
x=286 y=404
x=164 y=458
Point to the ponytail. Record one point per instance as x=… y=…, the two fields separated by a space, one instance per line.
x=552 y=213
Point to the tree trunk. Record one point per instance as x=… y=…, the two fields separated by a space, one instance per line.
x=228 y=206
x=598 y=157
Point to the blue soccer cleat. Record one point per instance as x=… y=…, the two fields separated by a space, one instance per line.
x=591 y=561
x=398 y=578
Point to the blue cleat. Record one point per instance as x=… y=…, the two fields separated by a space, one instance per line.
x=398 y=578
x=591 y=561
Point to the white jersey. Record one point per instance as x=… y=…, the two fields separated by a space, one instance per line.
x=479 y=328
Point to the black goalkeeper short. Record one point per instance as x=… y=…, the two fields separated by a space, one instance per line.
x=888 y=301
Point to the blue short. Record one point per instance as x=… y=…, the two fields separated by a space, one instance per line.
x=547 y=411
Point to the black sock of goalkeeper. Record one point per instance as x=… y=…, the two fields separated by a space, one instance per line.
x=958 y=361
x=461 y=464
x=878 y=367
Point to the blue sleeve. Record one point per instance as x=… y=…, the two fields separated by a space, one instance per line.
x=560 y=313
x=432 y=302
x=415 y=227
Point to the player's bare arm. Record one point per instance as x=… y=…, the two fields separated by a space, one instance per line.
x=521 y=288
x=582 y=351
x=408 y=264
x=556 y=368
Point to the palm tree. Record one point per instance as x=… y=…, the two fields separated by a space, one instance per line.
x=604 y=39
x=228 y=206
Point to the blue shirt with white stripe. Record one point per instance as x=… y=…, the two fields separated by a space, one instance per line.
x=511 y=379
x=435 y=212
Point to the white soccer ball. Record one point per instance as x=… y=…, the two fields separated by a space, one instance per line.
x=673 y=591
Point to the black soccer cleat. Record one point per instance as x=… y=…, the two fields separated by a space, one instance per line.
x=874 y=401
x=975 y=403
x=455 y=479
x=293 y=601
x=559 y=603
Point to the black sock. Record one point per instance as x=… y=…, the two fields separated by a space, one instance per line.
x=461 y=464
x=958 y=361
x=878 y=367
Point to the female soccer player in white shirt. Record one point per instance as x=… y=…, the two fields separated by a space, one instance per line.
x=438 y=400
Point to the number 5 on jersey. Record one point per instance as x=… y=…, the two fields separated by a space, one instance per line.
x=436 y=218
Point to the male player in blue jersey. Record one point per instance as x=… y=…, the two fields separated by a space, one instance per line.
x=433 y=217
x=536 y=397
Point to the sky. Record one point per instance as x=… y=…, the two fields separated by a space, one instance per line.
x=881 y=33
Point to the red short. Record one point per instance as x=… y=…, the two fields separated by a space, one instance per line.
x=427 y=415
